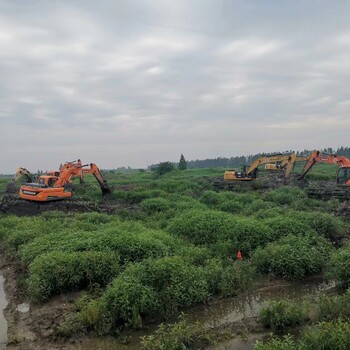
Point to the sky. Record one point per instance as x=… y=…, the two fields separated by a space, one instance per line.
x=134 y=83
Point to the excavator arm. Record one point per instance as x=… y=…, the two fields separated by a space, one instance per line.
x=289 y=159
x=318 y=157
x=94 y=170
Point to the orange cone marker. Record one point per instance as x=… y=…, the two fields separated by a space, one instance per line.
x=239 y=255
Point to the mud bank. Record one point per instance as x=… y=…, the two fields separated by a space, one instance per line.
x=3 y=322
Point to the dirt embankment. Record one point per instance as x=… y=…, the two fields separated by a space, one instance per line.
x=32 y=329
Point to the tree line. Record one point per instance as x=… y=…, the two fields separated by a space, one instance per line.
x=247 y=160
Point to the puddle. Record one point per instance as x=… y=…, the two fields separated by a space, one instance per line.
x=248 y=305
x=3 y=322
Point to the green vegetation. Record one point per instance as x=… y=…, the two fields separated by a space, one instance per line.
x=339 y=267
x=173 y=245
x=58 y=272
x=280 y=315
x=292 y=256
x=181 y=335
x=324 y=335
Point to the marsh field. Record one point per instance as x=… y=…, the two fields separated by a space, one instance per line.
x=157 y=268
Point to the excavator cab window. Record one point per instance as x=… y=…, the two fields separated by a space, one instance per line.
x=343 y=175
x=41 y=181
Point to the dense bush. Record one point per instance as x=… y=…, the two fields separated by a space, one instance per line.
x=201 y=227
x=59 y=272
x=131 y=246
x=285 y=195
x=324 y=224
x=153 y=205
x=163 y=287
x=292 y=257
x=280 y=315
x=283 y=225
x=226 y=232
x=339 y=267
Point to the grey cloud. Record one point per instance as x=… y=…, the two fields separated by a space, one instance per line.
x=122 y=82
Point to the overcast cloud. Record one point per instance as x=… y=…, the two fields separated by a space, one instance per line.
x=124 y=83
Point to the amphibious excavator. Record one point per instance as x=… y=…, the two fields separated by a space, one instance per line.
x=342 y=190
x=54 y=185
x=233 y=177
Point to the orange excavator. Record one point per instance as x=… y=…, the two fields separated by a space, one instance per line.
x=342 y=175
x=54 y=185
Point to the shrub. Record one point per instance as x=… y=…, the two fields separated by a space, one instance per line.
x=211 y=198
x=292 y=257
x=231 y=206
x=153 y=205
x=162 y=287
x=286 y=343
x=59 y=272
x=285 y=195
x=338 y=267
x=257 y=206
x=125 y=302
x=164 y=167
x=283 y=225
x=327 y=336
x=201 y=227
x=227 y=232
x=131 y=246
x=335 y=307
x=280 y=315
x=324 y=224
x=181 y=335
x=177 y=282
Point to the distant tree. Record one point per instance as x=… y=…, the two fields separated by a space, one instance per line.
x=182 y=163
x=164 y=167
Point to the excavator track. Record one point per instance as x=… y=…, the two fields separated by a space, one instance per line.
x=268 y=180
x=328 y=193
x=11 y=204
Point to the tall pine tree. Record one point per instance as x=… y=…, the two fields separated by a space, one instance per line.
x=182 y=163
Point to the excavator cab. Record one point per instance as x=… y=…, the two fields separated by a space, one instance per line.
x=343 y=176
x=47 y=180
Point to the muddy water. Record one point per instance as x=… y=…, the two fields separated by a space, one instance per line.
x=248 y=305
x=226 y=312
x=3 y=323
